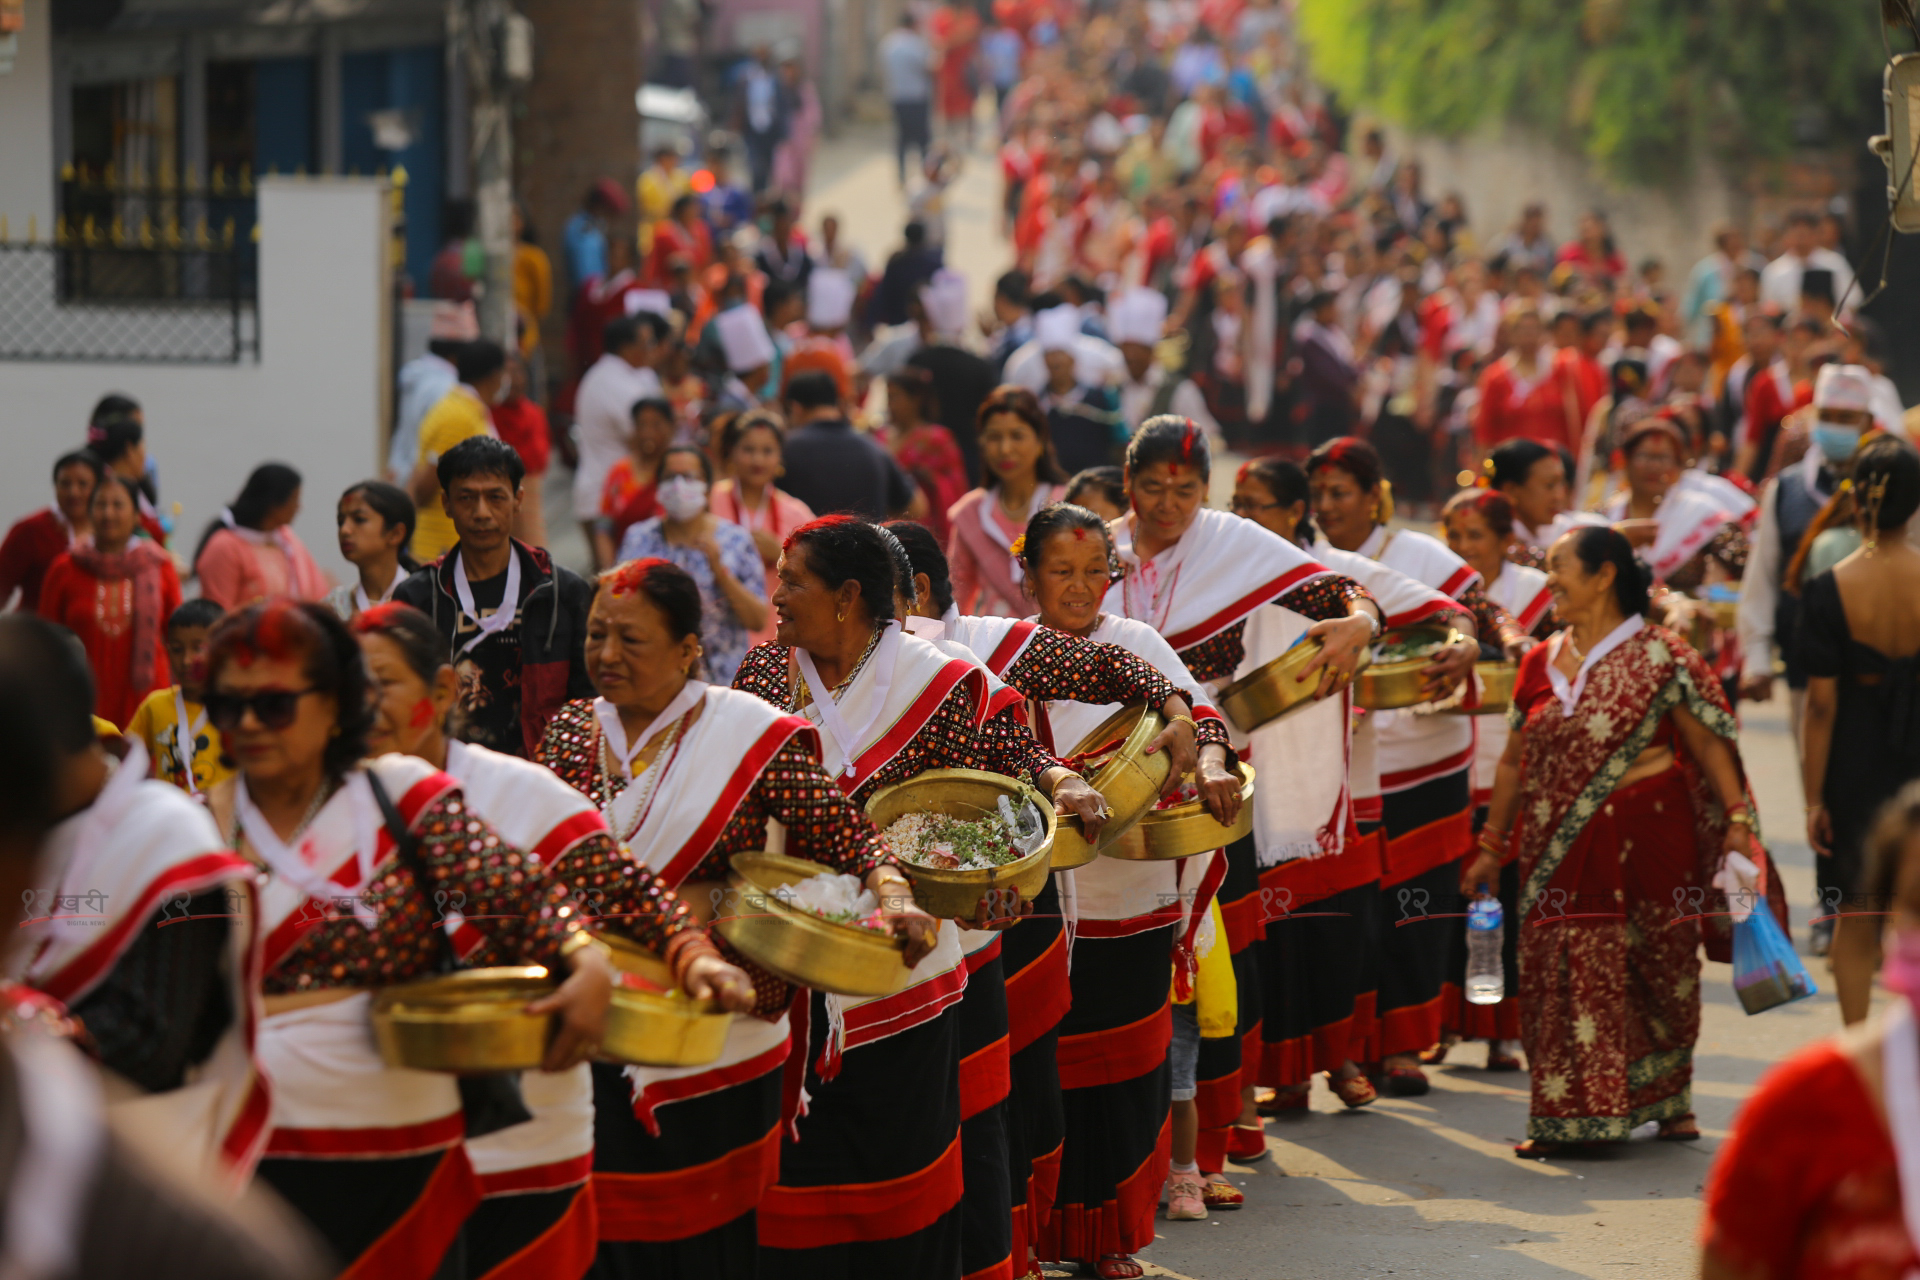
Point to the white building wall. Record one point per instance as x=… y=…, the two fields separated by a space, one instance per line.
x=313 y=400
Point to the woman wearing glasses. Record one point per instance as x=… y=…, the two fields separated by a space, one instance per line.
x=361 y=858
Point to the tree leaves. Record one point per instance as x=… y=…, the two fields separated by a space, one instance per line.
x=1641 y=86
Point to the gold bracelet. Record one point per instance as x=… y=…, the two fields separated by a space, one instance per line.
x=1188 y=721
x=579 y=940
x=1740 y=815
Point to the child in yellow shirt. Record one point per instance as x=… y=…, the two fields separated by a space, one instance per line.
x=193 y=760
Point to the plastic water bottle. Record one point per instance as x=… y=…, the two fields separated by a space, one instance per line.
x=1486 y=980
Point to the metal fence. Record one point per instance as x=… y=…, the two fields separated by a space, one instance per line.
x=127 y=305
x=159 y=271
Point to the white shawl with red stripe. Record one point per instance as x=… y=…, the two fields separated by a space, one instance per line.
x=702 y=783
x=535 y=812
x=1697 y=507
x=1196 y=589
x=333 y=1096
x=140 y=851
x=1416 y=748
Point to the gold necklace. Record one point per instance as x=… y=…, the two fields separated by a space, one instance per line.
x=797 y=682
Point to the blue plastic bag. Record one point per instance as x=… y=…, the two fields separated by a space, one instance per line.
x=1766 y=970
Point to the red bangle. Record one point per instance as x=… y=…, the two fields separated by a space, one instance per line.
x=684 y=947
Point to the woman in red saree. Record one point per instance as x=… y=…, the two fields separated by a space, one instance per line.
x=1619 y=792
x=925 y=450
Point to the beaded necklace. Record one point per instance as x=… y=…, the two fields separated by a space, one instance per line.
x=797 y=683
x=650 y=774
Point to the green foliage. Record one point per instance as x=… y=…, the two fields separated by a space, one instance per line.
x=1636 y=84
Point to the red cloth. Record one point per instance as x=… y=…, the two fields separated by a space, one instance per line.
x=956 y=33
x=523 y=424
x=1509 y=408
x=102 y=613
x=1575 y=254
x=1589 y=380
x=1767 y=403
x=625 y=500
x=670 y=238
x=1806 y=1187
x=30 y=549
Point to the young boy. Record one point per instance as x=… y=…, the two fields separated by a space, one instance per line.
x=189 y=759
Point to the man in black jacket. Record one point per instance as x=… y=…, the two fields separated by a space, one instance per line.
x=518 y=663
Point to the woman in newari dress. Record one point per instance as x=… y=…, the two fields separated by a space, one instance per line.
x=355 y=852
x=1480 y=528
x=688 y=774
x=1039 y=664
x=539 y=1208
x=1204 y=580
x=889 y=706
x=1425 y=761
x=1320 y=964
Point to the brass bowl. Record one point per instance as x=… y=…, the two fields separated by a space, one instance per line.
x=797 y=945
x=965 y=793
x=1275 y=689
x=1186 y=829
x=1388 y=686
x=651 y=1022
x=1129 y=782
x=1496 y=689
x=470 y=1022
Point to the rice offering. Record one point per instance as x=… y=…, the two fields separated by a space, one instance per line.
x=835 y=898
x=945 y=843
x=1406 y=649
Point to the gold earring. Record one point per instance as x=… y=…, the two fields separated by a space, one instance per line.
x=840 y=616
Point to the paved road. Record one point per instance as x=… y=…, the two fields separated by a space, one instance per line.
x=1430 y=1186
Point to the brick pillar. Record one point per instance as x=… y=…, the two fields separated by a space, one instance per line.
x=579 y=124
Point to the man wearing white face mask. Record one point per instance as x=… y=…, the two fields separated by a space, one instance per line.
x=1843 y=409
x=719 y=555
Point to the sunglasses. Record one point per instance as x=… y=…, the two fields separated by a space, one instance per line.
x=273 y=708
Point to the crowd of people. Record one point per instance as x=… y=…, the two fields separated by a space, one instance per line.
x=837 y=531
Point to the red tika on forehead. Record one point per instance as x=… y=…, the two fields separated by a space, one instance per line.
x=1246 y=469
x=815 y=526
x=1079 y=534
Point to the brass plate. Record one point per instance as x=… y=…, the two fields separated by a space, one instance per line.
x=471 y=1022
x=1274 y=689
x=651 y=1022
x=1496 y=689
x=1389 y=686
x=797 y=945
x=1184 y=830
x=1129 y=782
x=964 y=793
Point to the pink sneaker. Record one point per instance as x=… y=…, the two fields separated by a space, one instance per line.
x=1183 y=1198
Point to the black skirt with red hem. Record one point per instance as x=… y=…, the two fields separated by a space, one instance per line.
x=1429 y=829
x=1115 y=1082
x=1320 y=963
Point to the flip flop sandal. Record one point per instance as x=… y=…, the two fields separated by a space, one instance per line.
x=1220 y=1195
x=1355 y=1091
x=1283 y=1102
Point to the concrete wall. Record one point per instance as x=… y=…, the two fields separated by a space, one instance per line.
x=312 y=400
x=1500 y=170
x=26 y=128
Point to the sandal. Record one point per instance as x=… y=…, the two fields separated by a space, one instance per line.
x=1246 y=1143
x=1184 y=1199
x=1499 y=1059
x=1671 y=1131
x=1407 y=1082
x=1355 y=1091
x=1535 y=1149
x=1282 y=1102
x=1221 y=1195
x=1117 y=1266
x=1438 y=1053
